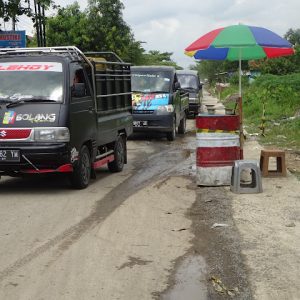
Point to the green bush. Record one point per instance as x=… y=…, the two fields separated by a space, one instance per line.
x=234 y=80
x=281 y=96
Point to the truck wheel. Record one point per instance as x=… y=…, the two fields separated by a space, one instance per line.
x=172 y=134
x=182 y=126
x=80 y=178
x=119 y=152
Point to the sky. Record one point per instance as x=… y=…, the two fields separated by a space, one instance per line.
x=172 y=25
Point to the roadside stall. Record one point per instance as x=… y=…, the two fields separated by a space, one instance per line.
x=223 y=134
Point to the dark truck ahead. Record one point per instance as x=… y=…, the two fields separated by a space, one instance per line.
x=159 y=105
x=189 y=81
x=63 y=111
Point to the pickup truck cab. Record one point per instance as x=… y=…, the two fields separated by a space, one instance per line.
x=158 y=103
x=62 y=112
x=190 y=82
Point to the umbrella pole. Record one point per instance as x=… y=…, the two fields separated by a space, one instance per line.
x=241 y=105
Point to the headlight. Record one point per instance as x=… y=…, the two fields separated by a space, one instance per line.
x=51 y=134
x=165 y=108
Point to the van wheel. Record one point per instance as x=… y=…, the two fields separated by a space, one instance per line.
x=172 y=134
x=182 y=126
x=119 y=152
x=80 y=178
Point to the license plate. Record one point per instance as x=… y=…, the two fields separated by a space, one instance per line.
x=140 y=123
x=10 y=155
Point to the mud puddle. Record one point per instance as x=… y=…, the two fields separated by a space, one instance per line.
x=190 y=280
x=227 y=274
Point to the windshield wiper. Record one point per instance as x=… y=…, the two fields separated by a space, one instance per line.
x=157 y=92
x=20 y=101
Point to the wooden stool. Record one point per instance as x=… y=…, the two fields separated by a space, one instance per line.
x=280 y=163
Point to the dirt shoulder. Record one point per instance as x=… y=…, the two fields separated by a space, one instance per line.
x=293 y=162
x=254 y=254
x=269 y=225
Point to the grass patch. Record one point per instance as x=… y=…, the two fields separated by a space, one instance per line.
x=281 y=97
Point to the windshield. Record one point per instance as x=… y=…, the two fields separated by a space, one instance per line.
x=188 y=81
x=151 y=81
x=31 y=80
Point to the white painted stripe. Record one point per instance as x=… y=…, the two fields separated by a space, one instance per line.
x=217 y=140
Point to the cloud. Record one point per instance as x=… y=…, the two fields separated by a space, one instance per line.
x=171 y=26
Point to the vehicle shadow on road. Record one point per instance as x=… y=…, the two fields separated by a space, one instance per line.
x=46 y=183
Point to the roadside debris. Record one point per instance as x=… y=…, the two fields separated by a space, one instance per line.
x=291 y=225
x=221 y=288
x=182 y=229
x=208 y=200
x=215 y=225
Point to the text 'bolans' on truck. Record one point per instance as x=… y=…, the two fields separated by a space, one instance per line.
x=190 y=82
x=158 y=103
x=63 y=111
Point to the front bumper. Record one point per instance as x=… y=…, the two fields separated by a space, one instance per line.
x=36 y=157
x=157 y=123
x=194 y=107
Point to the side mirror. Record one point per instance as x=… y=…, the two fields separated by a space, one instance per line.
x=177 y=86
x=78 y=90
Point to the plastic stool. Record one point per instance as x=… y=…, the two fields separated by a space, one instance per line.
x=280 y=163
x=246 y=188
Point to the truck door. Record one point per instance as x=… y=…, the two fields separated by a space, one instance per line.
x=82 y=107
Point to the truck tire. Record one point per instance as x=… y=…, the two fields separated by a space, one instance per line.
x=80 y=178
x=172 y=134
x=182 y=125
x=119 y=152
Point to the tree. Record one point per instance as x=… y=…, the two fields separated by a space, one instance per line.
x=293 y=36
x=69 y=28
x=155 y=57
x=211 y=68
x=282 y=65
x=109 y=32
x=12 y=9
x=99 y=28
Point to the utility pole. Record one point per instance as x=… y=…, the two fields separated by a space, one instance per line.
x=37 y=23
x=39 y=11
x=44 y=26
x=13 y=20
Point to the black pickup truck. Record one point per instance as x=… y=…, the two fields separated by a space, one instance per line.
x=190 y=82
x=159 y=105
x=63 y=111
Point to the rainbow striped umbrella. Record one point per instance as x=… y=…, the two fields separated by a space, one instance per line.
x=239 y=42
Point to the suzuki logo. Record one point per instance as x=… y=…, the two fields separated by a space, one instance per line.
x=3 y=133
